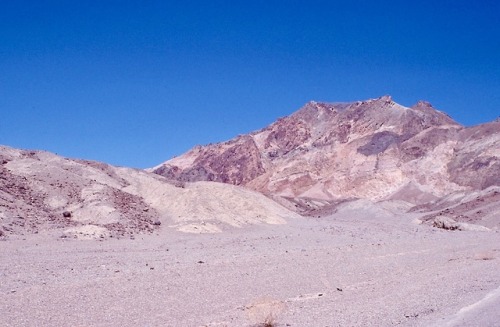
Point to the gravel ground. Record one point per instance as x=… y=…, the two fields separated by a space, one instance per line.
x=333 y=271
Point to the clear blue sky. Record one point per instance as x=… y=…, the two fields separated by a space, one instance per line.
x=134 y=83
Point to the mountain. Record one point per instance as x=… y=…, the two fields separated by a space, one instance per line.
x=311 y=162
x=42 y=193
x=326 y=153
x=378 y=179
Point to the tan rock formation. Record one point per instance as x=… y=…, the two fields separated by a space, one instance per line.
x=41 y=193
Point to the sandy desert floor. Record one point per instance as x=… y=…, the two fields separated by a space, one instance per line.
x=360 y=270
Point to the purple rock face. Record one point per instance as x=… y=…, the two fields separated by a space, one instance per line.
x=235 y=162
x=379 y=143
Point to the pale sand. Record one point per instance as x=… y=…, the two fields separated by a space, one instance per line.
x=361 y=267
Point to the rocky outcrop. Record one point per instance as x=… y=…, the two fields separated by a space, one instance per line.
x=235 y=162
x=450 y=224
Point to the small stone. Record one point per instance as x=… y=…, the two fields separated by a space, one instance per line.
x=66 y=214
x=339 y=289
x=201 y=261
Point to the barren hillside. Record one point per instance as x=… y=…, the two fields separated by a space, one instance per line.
x=43 y=193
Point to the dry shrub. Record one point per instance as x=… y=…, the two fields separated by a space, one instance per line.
x=264 y=312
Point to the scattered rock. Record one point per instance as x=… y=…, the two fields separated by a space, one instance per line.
x=67 y=214
x=450 y=224
x=413 y=315
x=445 y=223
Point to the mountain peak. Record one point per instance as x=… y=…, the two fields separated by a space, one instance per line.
x=427 y=108
x=331 y=151
x=385 y=98
x=422 y=104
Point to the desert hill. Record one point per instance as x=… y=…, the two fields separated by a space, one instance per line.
x=41 y=192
